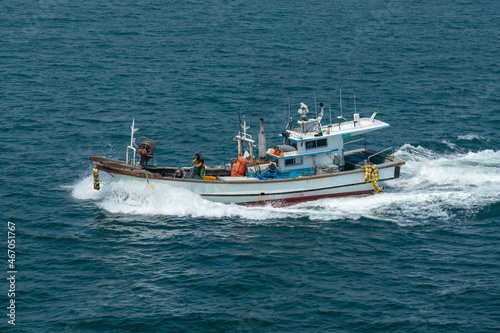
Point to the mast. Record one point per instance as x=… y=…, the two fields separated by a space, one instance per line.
x=262 y=140
x=244 y=137
x=131 y=146
x=239 y=134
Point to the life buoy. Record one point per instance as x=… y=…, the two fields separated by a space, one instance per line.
x=240 y=167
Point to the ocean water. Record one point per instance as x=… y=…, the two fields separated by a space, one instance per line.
x=421 y=257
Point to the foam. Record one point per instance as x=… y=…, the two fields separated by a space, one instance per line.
x=471 y=137
x=432 y=186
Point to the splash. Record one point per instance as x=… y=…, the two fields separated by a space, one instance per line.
x=432 y=186
x=135 y=197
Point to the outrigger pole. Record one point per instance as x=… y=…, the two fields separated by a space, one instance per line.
x=132 y=131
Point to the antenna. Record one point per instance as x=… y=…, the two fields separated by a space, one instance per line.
x=340 y=118
x=289 y=101
x=340 y=90
x=330 y=109
x=245 y=127
x=289 y=95
x=238 y=137
x=239 y=116
x=315 y=107
x=353 y=92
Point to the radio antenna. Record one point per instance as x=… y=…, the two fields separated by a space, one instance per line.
x=289 y=97
x=239 y=116
x=353 y=91
x=354 y=94
x=340 y=118
x=239 y=137
x=340 y=91
x=315 y=107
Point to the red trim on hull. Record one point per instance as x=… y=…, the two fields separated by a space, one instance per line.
x=294 y=201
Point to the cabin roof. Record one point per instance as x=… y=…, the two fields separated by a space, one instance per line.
x=346 y=130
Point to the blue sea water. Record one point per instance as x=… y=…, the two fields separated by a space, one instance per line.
x=422 y=256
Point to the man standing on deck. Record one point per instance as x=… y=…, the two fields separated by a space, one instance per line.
x=198 y=166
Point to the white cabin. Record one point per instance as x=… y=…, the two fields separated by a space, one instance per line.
x=311 y=146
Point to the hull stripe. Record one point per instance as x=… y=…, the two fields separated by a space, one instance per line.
x=292 y=201
x=285 y=193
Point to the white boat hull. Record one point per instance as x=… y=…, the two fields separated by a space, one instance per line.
x=280 y=191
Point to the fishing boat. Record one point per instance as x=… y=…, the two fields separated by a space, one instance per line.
x=314 y=161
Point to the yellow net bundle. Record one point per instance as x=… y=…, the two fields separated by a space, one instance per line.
x=372 y=175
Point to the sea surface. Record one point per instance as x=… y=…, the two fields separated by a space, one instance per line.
x=424 y=256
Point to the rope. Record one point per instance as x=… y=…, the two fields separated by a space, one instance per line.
x=150 y=185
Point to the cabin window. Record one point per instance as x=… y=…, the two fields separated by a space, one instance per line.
x=291 y=143
x=293 y=161
x=316 y=143
x=322 y=143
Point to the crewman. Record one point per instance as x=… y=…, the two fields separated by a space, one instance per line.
x=270 y=173
x=198 y=166
x=179 y=173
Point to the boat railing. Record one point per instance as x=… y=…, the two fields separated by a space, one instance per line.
x=132 y=161
x=380 y=152
x=358 y=140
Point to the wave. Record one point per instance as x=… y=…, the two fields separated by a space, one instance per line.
x=432 y=186
x=472 y=137
x=470 y=142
